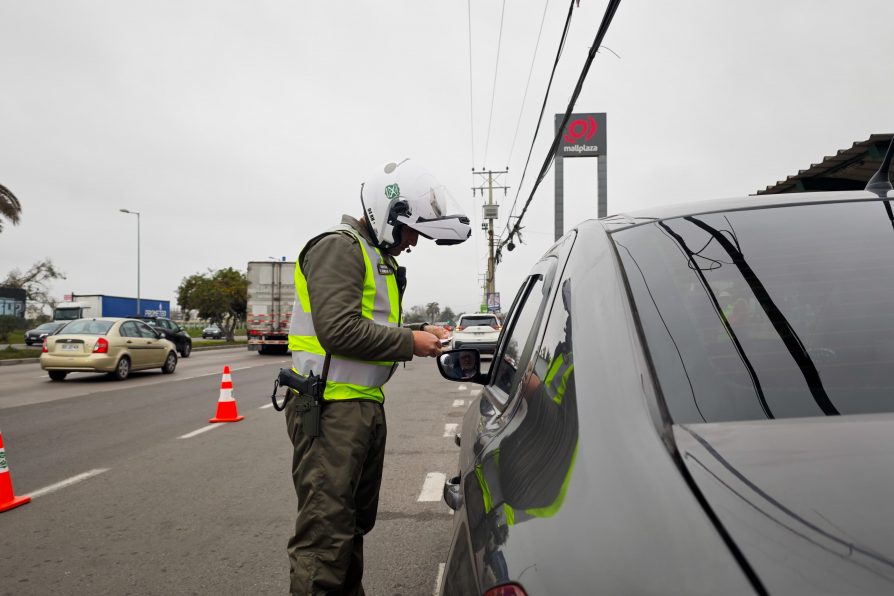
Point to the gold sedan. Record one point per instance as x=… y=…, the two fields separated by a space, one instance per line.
x=109 y=345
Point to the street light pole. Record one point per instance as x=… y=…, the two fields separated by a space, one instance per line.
x=137 y=213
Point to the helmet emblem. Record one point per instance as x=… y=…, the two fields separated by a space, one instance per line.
x=392 y=191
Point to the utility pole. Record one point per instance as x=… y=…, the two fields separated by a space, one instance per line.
x=490 y=211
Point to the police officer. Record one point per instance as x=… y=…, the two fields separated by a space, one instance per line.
x=346 y=322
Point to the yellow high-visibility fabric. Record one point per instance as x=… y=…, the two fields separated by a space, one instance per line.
x=341 y=367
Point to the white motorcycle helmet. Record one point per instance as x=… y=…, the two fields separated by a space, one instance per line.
x=406 y=194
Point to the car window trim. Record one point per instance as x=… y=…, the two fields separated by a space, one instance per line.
x=491 y=391
x=543 y=271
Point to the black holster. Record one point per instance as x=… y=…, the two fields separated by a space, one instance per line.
x=309 y=409
x=307 y=391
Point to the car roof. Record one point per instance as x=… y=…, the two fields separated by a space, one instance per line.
x=621 y=221
x=112 y=319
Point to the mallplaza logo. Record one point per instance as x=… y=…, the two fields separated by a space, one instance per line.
x=579 y=148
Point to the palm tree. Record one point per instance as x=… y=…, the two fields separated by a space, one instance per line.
x=10 y=208
x=433 y=310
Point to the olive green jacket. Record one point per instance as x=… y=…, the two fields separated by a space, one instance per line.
x=334 y=268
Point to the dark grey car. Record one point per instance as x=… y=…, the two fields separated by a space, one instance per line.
x=733 y=430
x=37 y=335
x=172 y=332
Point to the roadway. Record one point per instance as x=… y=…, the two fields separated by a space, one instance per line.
x=135 y=493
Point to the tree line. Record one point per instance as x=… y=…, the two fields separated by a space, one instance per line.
x=219 y=296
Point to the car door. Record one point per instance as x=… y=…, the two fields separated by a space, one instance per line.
x=134 y=343
x=154 y=347
x=486 y=515
x=170 y=331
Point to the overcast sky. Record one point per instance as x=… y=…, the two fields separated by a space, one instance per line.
x=241 y=129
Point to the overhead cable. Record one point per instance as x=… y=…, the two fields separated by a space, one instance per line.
x=494 y=92
x=549 y=85
x=471 y=95
x=600 y=35
x=521 y=110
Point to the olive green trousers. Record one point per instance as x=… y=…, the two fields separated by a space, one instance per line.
x=337 y=478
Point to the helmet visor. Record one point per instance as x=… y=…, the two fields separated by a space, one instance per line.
x=435 y=214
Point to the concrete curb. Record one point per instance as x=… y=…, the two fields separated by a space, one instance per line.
x=11 y=362
x=19 y=361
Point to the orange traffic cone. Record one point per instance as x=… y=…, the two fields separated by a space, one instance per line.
x=226 y=404
x=8 y=500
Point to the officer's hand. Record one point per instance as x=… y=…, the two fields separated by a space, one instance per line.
x=437 y=331
x=426 y=344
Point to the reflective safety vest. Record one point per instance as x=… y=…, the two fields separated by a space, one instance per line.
x=557 y=375
x=349 y=378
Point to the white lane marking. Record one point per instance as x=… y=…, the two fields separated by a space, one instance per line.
x=461 y=388
x=432 y=487
x=265 y=407
x=475 y=391
x=450 y=429
x=257 y=365
x=438 y=580
x=68 y=482
x=458 y=402
x=204 y=429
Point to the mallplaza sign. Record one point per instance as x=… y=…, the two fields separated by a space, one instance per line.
x=583 y=135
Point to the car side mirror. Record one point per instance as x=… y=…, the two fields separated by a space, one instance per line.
x=461 y=365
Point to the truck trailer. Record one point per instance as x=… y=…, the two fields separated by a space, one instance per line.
x=271 y=295
x=99 y=305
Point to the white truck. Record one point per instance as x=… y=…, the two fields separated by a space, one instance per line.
x=271 y=294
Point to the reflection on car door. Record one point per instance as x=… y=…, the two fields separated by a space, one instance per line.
x=482 y=497
x=530 y=390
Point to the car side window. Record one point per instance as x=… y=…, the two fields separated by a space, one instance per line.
x=128 y=329
x=509 y=367
x=145 y=331
x=545 y=432
x=553 y=371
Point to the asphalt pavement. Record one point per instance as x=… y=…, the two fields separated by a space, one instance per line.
x=135 y=493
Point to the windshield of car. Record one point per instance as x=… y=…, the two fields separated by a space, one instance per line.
x=47 y=327
x=472 y=321
x=768 y=313
x=87 y=327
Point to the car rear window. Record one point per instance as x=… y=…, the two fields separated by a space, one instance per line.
x=768 y=313
x=87 y=327
x=472 y=321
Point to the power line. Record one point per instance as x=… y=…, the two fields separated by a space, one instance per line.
x=496 y=69
x=471 y=95
x=542 y=110
x=528 y=84
x=600 y=34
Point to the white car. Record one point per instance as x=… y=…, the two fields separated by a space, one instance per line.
x=477 y=330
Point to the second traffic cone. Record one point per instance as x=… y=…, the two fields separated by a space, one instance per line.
x=226 y=403
x=8 y=500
